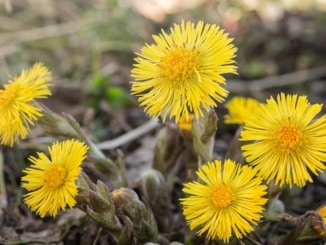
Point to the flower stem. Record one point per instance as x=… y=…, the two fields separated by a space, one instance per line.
x=3 y=193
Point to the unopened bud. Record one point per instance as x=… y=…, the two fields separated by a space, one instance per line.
x=210 y=126
x=54 y=124
x=203 y=130
x=128 y=204
x=310 y=229
x=152 y=184
x=274 y=208
x=155 y=192
x=97 y=202
x=85 y=184
x=318 y=227
x=167 y=149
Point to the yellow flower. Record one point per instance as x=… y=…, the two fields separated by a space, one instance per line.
x=182 y=73
x=51 y=182
x=287 y=142
x=239 y=108
x=17 y=111
x=226 y=202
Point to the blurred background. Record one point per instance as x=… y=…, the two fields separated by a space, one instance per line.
x=89 y=46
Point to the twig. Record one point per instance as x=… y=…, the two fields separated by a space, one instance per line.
x=8 y=50
x=129 y=136
x=276 y=81
x=44 y=32
x=11 y=24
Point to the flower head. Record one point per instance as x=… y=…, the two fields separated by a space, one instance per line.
x=17 y=111
x=227 y=201
x=286 y=141
x=51 y=181
x=182 y=72
x=239 y=108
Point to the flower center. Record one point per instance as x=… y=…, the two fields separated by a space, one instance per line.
x=55 y=176
x=222 y=196
x=289 y=137
x=179 y=64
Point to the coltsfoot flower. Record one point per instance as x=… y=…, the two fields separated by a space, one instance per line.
x=239 y=108
x=17 y=111
x=182 y=72
x=226 y=201
x=51 y=181
x=285 y=142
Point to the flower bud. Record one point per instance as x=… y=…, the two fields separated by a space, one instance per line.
x=102 y=211
x=155 y=192
x=97 y=202
x=129 y=206
x=85 y=184
x=310 y=229
x=203 y=130
x=167 y=149
x=55 y=125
